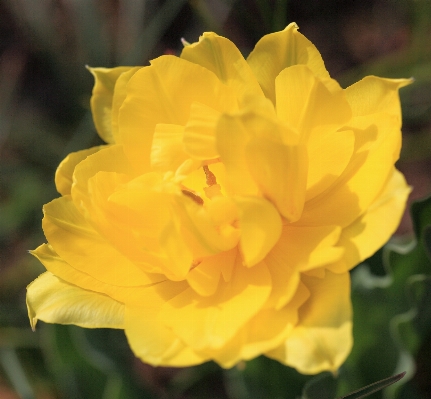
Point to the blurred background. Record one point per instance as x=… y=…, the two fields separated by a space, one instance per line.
x=44 y=115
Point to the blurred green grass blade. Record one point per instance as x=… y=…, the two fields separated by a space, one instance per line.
x=280 y=17
x=322 y=386
x=375 y=387
x=15 y=372
x=152 y=33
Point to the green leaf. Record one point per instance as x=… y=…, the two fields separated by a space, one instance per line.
x=390 y=296
x=88 y=363
x=322 y=386
x=375 y=387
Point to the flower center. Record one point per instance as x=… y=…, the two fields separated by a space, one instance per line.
x=212 y=190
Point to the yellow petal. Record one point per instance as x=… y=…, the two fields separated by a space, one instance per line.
x=64 y=172
x=167 y=150
x=199 y=133
x=323 y=337
x=120 y=93
x=260 y=225
x=217 y=318
x=377 y=146
x=180 y=257
x=209 y=229
x=148 y=337
x=76 y=241
x=221 y=56
x=329 y=153
x=300 y=249
x=163 y=93
x=61 y=269
x=279 y=50
x=373 y=229
x=52 y=300
x=232 y=137
x=373 y=94
x=280 y=172
x=101 y=99
x=204 y=278
x=304 y=102
x=109 y=159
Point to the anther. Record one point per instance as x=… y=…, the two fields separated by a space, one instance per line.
x=193 y=196
x=211 y=179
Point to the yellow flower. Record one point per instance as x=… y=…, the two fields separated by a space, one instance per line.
x=222 y=218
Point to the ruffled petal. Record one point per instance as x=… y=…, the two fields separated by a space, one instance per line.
x=329 y=153
x=205 y=277
x=231 y=141
x=261 y=227
x=217 y=318
x=377 y=147
x=60 y=268
x=120 y=93
x=279 y=50
x=101 y=99
x=222 y=57
x=52 y=300
x=148 y=337
x=64 y=172
x=304 y=102
x=109 y=159
x=373 y=229
x=76 y=241
x=171 y=85
x=323 y=337
x=280 y=172
x=381 y=96
x=300 y=249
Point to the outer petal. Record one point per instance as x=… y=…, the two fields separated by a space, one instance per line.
x=52 y=300
x=378 y=142
x=217 y=318
x=64 y=271
x=279 y=50
x=267 y=329
x=120 y=93
x=373 y=229
x=381 y=96
x=101 y=100
x=222 y=57
x=171 y=86
x=323 y=337
x=304 y=102
x=82 y=247
x=64 y=172
x=148 y=337
x=109 y=159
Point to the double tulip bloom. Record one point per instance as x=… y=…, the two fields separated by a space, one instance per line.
x=222 y=218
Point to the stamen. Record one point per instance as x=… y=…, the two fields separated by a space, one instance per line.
x=211 y=179
x=193 y=196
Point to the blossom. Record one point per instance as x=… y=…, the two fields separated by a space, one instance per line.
x=222 y=217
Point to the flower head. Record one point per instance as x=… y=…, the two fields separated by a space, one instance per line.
x=222 y=218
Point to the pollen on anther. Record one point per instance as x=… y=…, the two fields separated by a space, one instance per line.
x=210 y=176
x=193 y=196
